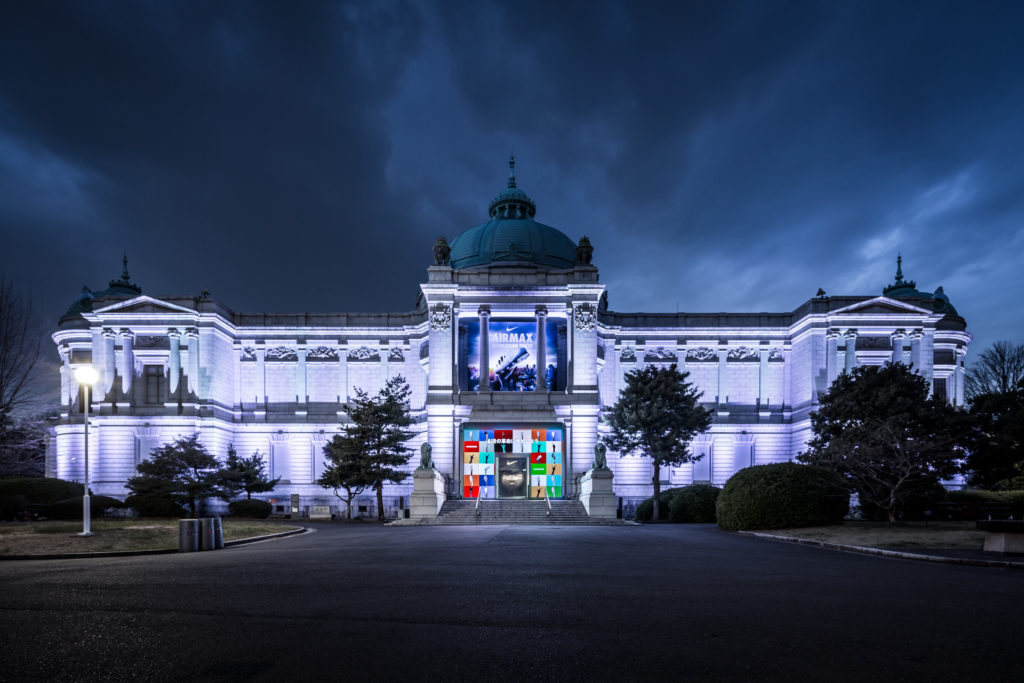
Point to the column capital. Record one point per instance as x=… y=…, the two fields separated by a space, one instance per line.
x=174 y=332
x=125 y=332
x=484 y=312
x=109 y=332
x=916 y=334
x=832 y=334
x=541 y=312
x=851 y=333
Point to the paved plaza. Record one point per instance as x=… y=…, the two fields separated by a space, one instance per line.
x=365 y=602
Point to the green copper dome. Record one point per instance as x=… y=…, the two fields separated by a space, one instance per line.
x=512 y=236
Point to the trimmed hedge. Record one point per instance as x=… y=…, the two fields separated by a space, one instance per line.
x=254 y=508
x=41 y=490
x=155 y=506
x=71 y=508
x=694 y=503
x=11 y=504
x=782 y=495
x=645 y=510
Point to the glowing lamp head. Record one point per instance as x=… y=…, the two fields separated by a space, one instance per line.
x=86 y=374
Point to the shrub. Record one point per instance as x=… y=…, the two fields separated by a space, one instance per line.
x=694 y=503
x=645 y=510
x=256 y=509
x=1015 y=499
x=71 y=508
x=155 y=506
x=41 y=490
x=782 y=495
x=11 y=504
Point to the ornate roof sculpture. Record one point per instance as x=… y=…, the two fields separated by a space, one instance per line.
x=512 y=235
x=907 y=289
x=116 y=289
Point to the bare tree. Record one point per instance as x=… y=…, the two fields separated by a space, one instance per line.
x=21 y=344
x=997 y=370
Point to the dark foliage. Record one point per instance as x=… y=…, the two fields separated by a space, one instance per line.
x=11 y=504
x=182 y=472
x=879 y=429
x=155 y=505
x=249 y=507
x=996 y=443
x=782 y=495
x=71 y=508
x=645 y=510
x=694 y=504
x=244 y=474
x=657 y=415
x=40 y=490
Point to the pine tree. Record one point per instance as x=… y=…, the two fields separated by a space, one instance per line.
x=245 y=474
x=182 y=471
x=657 y=415
x=376 y=437
x=347 y=468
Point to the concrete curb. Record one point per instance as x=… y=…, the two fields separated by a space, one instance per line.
x=158 y=551
x=898 y=554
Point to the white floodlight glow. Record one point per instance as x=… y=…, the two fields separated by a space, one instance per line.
x=86 y=374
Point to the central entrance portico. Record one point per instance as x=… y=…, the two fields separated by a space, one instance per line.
x=512 y=461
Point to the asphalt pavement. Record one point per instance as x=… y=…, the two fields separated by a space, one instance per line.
x=478 y=603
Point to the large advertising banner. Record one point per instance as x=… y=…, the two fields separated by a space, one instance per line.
x=512 y=351
x=512 y=461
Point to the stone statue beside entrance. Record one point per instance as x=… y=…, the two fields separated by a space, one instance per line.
x=426 y=458
x=600 y=457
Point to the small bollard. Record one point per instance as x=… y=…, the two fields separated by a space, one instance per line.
x=188 y=535
x=206 y=533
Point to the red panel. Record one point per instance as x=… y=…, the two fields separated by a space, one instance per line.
x=538 y=458
x=471 y=446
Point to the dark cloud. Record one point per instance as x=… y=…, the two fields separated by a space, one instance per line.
x=721 y=156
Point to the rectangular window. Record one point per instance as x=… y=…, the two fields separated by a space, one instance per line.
x=154 y=376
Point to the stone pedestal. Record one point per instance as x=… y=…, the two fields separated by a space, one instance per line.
x=427 y=493
x=597 y=495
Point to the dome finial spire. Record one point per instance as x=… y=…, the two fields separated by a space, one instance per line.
x=899 y=267
x=124 y=271
x=511 y=169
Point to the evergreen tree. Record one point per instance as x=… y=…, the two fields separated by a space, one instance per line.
x=182 y=471
x=377 y=436
x=347 y=468
x=996 y=444
x=245 y=474
x=657 y=415
x=878 y=427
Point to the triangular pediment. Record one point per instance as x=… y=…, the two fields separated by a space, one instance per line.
x=145 y=304
x=881 y=304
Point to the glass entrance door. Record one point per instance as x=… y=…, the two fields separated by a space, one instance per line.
x=512 y=481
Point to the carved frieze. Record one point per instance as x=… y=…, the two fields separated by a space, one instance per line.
x=701 y=354
x=248 y=354
x=364 y=354
x=874 y=343
x=744 y=353
x=775 y=355
x=628 y=355
x=660 y=355
x=441 y=319
x=281 y=353
x=152 y=342
x=396 y=355
x=322 y=353
x=586 y=318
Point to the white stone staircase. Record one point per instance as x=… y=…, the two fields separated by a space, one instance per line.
x=516 y=512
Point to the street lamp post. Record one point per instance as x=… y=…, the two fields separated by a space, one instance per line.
x=86 y=376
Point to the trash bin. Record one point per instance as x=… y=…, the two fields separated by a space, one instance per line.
x=188 y=535
x=208 y=533
x=218 y=534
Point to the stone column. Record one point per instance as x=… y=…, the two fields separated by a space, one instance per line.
x=915 y=350
x=720 y=382
x=193 y=360
x=109 y=372
x=301 y=381
x=343 y=373
x=65 y=376
x=541 y=316
x=960 y=373
x=126 y=369
x=762 y=376
x=851 y=350
x=831 y=358
x=485 y=358
x=261 y=371
x=236 y=365
x=897 y=346
x=174 y=360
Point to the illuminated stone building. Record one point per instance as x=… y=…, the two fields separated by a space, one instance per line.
x=511 y=295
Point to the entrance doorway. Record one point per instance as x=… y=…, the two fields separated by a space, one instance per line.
x=512 y=481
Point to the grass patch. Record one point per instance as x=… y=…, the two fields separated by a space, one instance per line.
x=39 y=538
x=912 y=535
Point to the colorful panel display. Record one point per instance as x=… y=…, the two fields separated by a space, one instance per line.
x=511 y=351
x=512 y=462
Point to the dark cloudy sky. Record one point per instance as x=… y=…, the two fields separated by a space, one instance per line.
x=734 y=156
